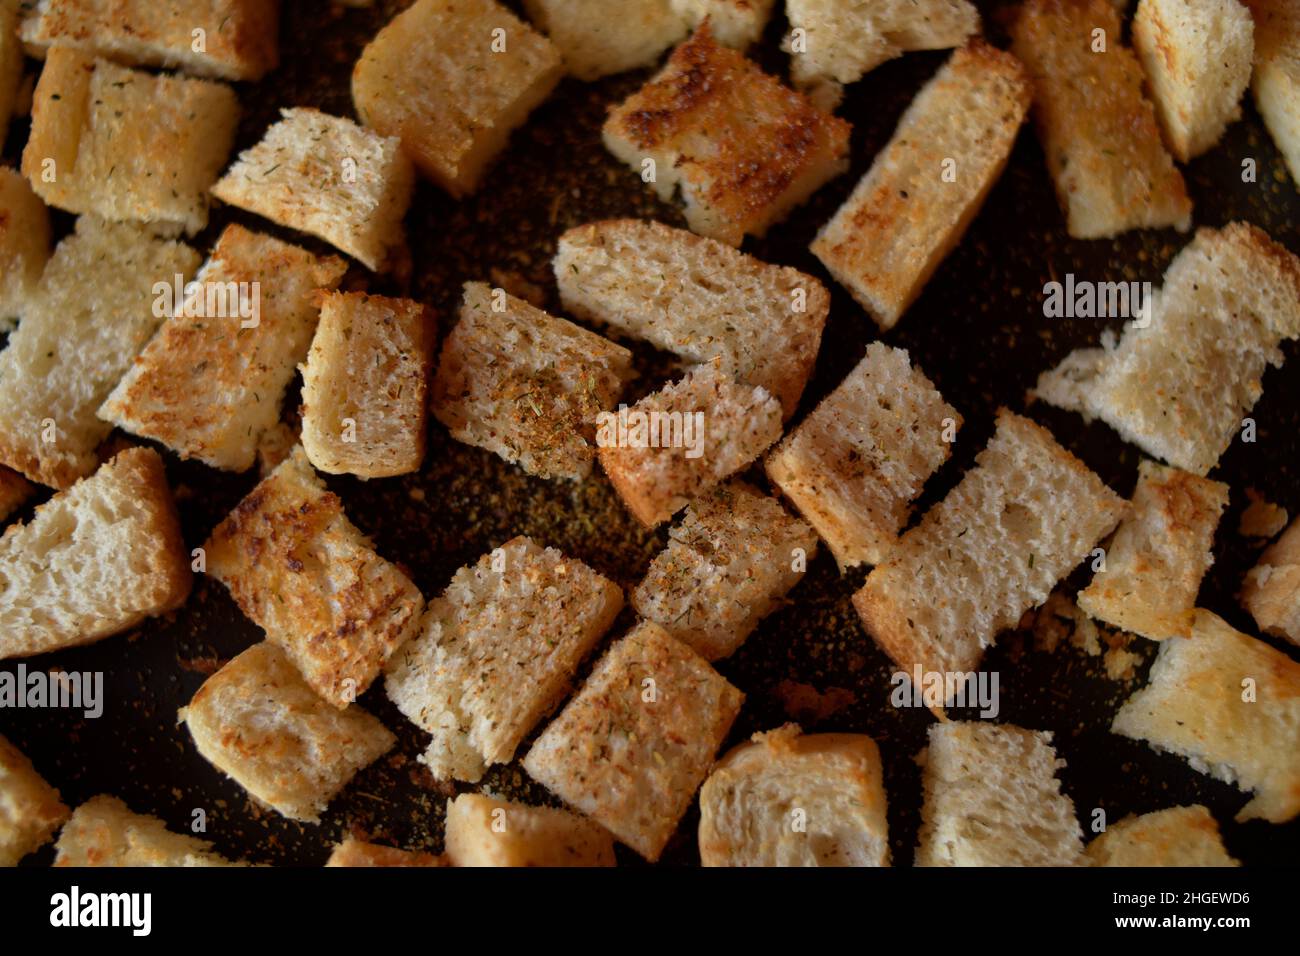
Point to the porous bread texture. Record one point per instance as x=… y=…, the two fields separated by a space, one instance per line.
x=484 y=831
x=1276 y=78
x=30 y=809
x=104 y=832
x=1271 y=592
x=1178 y=836
x=353 y=852
x=24 y=244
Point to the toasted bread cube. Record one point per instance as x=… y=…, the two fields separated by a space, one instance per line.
x=302 y=572
x=735 y=23
x=1179 y=836
x=1197 y=58
x=1276 y=82
x=1159 y=554
x=225 y=39
x=211 y=382
x=127 y=145
x=328 y=177
x=698 y=298
x=364 y=386
x=684 y=440
x=1098 y=130
x=498 y=651
x=744 y=149
x=257 y=721
x=594 y=44
x=923 y=189
x=11 y=62
x=14 y=490
x=830 y=784
x=30 y=809
x=1230 y=705
x=24 y=244
x=526 y=385
x=352 y=852
x=452 y=80
x=1272 y=589
x=482 y=831
x=729 y=563
x=856 y=463
x=104 y=832
x=633 y=746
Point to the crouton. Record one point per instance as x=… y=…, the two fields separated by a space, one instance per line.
x=526 y=385
x=497 y=653
x=352 y=852
x=633 y=746
x=302 y=572
x=482 y=831
x=24 y=244
x=127 y=145
x=744 y=149
x=212 y=380
x=1099 y=132
x=14 y=490
x=452 y=80
x=328 y=177
x=735 y=23
x=30 y=809
x=1276 y=82
x=924 y=188
x=104 y=832
x=1272 y=589
x=1179 y=836
x=697 y=298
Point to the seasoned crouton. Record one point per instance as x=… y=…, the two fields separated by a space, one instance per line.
x=1276 y=82
x=1179 y=836
x=24 y=244
x=104 y=832
x=1272 y=590
x=482 y=831
x=30 y=809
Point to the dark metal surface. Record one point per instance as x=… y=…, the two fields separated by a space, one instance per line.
x=977 y=331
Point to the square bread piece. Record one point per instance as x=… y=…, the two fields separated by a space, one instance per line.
x=992 y=799
x=906 y=214
x=633 y=746
x=483 y=831
x=1159 y=554
x=128 y=145
x=787 y=799
x=94 y=560
x=697 y=298
x=525 y=384
x=257 y=721
x=24 y=244
x=365 y=384
x=328 y=177
x=14 y=490
x=357 y=853
x=1197 y=58
x=498 y=651
x=729 y=563
x=685 y=439
x=1230 y=705
x=212 y=380
x=744 y=149
x=104 y=832
x=1018 y=522
x=1179 y=836
x=1276 y=82
x=1098 y=130
x=30 y=809
x=856 y=463
x=1179 y=387
x=1271 y=592
x=452 y=79
x=302 y=572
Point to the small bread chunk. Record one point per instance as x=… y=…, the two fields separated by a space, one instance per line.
x=1179 y=387
x=735 y=23
x=14 y=490
x=302 y=572
x=352 y=852
x=1272 y=589
x=1159 y=554
x=924 y=188
x=729 y=563
x=30 y=809
x=225 y=39
x=104 y=832
x=364 y=385
x=526 y=385
x=127 y=145
x=452 y=80
x=1179 y=836
x=213 y=378
x=1017 y=523
x=786 y=799
x=744 y=148
x=633 y=746
x=856 y=463
x=482 y=831
x=1197 y=58
x=697 y=298
x=684 y=440
x=992 y=799
x=1098 y=130
x=24 y=244
x=94 y=561
x=498 y=651
x=1230 y=705
x=257 y=721
x=328 y=177
x=1276 y=83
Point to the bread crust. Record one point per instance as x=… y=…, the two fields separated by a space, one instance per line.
x=1178 y=836
x=484 y=831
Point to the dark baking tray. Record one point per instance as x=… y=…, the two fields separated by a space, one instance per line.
x=977 y=331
